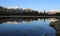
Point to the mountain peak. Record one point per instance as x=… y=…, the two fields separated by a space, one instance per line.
x=54 y=10
x=15 y=7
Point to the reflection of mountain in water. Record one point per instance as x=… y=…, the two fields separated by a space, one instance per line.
x=16 y=20
x=35 y=27
x=56 y=25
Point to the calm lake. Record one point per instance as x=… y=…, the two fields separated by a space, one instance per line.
x=29 y=26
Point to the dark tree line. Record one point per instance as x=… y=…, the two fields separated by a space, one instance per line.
x=14 y=12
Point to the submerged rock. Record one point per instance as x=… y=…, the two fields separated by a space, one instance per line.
x=56 y=25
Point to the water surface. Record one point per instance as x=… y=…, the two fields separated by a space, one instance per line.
x=26 y=27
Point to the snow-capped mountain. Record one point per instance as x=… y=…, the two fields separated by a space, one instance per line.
x=53 y=11
x=15 y=7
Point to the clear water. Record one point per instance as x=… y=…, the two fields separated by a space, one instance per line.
x=26 y=27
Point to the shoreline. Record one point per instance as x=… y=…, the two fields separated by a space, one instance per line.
x=30 y=16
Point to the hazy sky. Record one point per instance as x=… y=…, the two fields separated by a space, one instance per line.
x=34 y=4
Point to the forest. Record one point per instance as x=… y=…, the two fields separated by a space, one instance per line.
x=20 y=12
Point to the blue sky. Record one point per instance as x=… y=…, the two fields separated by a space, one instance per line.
x=34 y=4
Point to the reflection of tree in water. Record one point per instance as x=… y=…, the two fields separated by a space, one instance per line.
x=56 y=25
x=15 y=19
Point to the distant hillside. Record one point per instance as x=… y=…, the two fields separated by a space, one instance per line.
x=26 y=12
